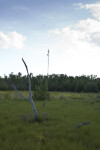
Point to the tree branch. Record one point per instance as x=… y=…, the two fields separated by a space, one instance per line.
x=20 y=93
x=83 y=124
x=30 y=93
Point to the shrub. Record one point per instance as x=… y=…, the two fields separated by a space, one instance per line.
x=41 y=92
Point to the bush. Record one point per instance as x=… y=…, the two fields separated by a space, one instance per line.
x=41 y=92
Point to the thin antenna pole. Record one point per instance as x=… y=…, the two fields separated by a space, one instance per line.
x=48 y=63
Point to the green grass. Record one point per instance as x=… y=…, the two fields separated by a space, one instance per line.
x=59 y=131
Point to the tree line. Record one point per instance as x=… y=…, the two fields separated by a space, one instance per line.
x=54 y=82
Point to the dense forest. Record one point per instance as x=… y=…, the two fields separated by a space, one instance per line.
x=55 y=82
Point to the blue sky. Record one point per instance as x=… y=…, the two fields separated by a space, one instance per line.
x=69 y=28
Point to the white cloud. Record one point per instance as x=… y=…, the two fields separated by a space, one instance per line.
x=87 y=30
x=79 y=47
x=94 y=9
x=12 y=39
x=84 y=31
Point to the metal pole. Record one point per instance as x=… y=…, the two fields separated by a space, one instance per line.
x=48 y=62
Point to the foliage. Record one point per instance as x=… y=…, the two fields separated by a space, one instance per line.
x=41 y=91
x=55 y=82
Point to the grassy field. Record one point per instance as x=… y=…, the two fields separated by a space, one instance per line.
x=65 y=111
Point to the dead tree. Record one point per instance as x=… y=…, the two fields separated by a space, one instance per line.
x=30 y=93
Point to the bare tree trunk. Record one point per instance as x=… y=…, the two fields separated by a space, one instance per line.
x=30 y=93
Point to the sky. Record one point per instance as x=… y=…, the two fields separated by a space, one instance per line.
x=70 y=29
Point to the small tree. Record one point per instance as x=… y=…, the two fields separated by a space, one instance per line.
x=30 y=93
x=41 y=91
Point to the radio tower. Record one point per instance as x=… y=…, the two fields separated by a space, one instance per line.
x=48 y=63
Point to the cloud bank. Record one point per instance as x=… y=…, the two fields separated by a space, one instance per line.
x=93 y=8
x=12 y=39
x=80 y=43
x=84 y=32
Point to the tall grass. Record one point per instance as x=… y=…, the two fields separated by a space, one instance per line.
x=59 y=132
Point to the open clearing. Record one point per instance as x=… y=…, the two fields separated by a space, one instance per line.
x=59 y=132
